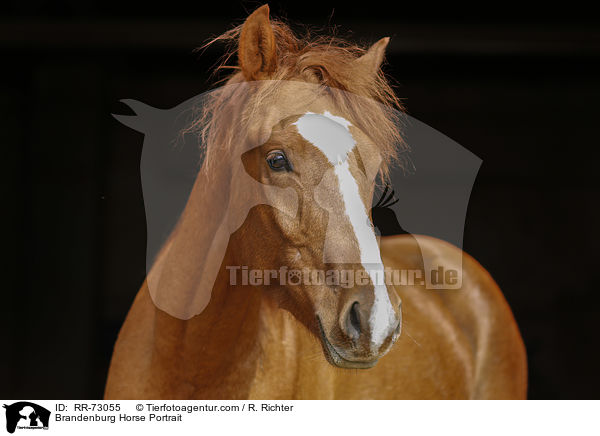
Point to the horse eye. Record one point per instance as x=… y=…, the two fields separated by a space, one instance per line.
x=278 y=161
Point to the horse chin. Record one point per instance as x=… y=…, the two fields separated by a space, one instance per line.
x=336 y=359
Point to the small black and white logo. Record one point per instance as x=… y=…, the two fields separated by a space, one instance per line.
x=26 y=415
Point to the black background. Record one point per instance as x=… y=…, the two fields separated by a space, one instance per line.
x=516 y=85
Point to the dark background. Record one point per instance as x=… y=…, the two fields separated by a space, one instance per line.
x=516 y=85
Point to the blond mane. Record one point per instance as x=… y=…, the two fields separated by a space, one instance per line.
x=327 y=61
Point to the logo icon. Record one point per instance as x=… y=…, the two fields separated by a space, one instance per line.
x=26 y=415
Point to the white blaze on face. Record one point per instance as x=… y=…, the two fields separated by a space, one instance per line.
x=331 y=135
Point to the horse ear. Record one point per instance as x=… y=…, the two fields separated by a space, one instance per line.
x=373 y=58
x=144 y=115
x=257 y=53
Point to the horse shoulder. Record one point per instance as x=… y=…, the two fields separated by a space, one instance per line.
x=480 y=312
x=131 y=358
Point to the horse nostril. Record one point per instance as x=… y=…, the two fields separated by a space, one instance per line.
x=353 y=322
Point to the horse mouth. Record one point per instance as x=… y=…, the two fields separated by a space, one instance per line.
x=334 y=357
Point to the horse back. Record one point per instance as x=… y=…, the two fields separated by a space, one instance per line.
x=464 y=343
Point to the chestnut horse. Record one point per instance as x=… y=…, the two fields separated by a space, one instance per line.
x=372 y=341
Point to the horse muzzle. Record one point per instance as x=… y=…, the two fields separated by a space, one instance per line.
x=355 y=354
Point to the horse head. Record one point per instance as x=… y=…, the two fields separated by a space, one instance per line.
x=323 y=146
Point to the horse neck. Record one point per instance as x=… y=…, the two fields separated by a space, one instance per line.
x=223 y=337
x=216 y=342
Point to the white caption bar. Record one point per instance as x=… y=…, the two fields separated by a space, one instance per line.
x=299 y=417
